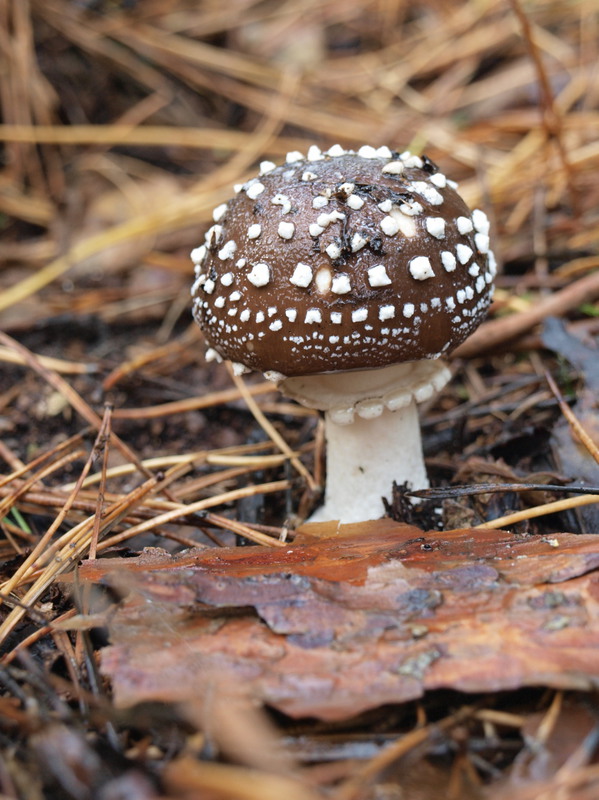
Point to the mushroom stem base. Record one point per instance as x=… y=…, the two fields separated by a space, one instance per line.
x=363 y=461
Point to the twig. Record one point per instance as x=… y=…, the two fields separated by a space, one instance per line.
x=101 y=448
x=540 y=511
x=192 y=403
x=551 y=118
x=200 y=505
x=20 y=469
x=142 y=136
x=69 y=548
x=353 y=788
x=56 y=364
x=444 y=492
x=575 y=425
x=269 y=429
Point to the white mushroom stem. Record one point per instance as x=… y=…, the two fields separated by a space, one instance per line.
x=365 y=458
x=372 y=432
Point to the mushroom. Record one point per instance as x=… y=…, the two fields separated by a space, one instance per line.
x=345 y=276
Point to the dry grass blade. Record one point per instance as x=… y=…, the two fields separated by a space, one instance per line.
x=193 y=778
x=550 y=720
x=175 y=347
x=21 y=469
x=34 y=637
x=353 y=788
x=101 y=449
x=554 y=507
x=57 y=364
x=24 y=486
x=270 y=431
x=239 y=528
x=225 y=457
x=443 y=492
x=577 y=428
x=148 y=135
x=192 y=403
x=66 y=551
x=30 y=564
x=176 y=215
x=551 y=117
x=183 y=511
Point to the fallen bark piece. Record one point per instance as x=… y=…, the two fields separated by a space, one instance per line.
x=380 y=613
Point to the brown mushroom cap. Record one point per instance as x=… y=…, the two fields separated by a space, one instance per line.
x=342 y=261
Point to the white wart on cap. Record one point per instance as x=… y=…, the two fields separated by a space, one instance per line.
x=342 y=260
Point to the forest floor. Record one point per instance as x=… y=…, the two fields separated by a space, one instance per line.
x=170 y=627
